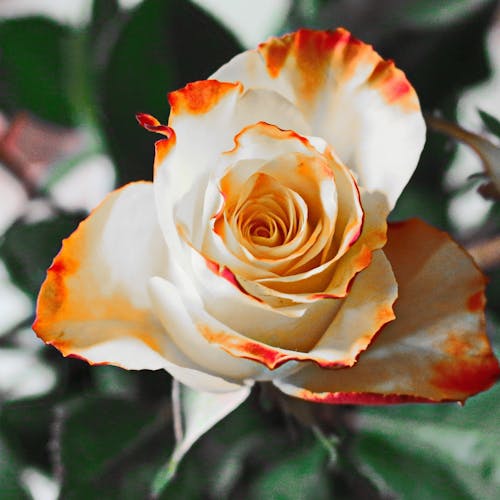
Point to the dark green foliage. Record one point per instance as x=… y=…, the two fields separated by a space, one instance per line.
x=491 y=123
x=10 y=485
x=162 y=46
x=28 y=249
x=435 y=452
x=92 y=438
x=33 y=69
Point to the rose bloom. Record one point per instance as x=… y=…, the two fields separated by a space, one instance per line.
x=262 y=252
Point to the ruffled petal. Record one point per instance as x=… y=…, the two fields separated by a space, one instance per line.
x=435 y=350
x=276 y=177
x=365 y=310
x=94 y=303
x=204 y=120
x=329 y=332
x=181 y=317
x=363 y=106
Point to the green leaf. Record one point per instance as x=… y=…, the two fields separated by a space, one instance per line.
x=91 y=435
x=409 y=468
x=414 y=201
x=430 y=13
x=105 y=22
x=33 y=66
x=25 y=425
x=441 y=63
x=301 y=474
x=491 y=123
x=452 y=451
x=28 y=249
x=197 y=412
x=233 y=456
x=114 y=381
x=162 y=47
x=10 y=487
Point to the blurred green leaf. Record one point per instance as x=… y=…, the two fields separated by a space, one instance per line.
x=428 y=13
x=493 y=294
x=33 y=68
x=300 y=474
x=28 y=249
x=25 y=426
x=441 y=62
x=163 y=46
x=491 y=123
x=91 y=435
x=115 y=381
x=426 y=205
x=452 y=451
x=409 y=468
x=10 y=488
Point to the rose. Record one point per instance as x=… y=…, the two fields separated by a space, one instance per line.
x=261 y=251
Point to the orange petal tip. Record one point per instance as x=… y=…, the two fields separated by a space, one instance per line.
x=199 y=97
x=476 y=302
x=469 y=376
x=151 y=124
x=359 y=398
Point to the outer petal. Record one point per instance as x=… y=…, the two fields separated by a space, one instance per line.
x=436 y=349
x=362 y=105
x=94 y=303
x=329 y=332
x=181 y=316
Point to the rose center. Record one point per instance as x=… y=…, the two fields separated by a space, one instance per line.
x=261 y=225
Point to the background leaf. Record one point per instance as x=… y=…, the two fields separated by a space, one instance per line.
x=300 y=474
x=491 y=123
x=436 y=452
x=33 y=68
x=28 y=249
x=10 y=475
x=91 y=441
x=162 y=47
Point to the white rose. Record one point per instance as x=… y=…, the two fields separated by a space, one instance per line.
x=261 y=250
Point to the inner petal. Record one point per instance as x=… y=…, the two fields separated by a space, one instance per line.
x=270 y=220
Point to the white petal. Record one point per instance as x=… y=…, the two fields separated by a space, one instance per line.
x=362 y=105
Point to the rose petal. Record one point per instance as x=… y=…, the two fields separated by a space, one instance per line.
x=435 y=350
x=292 y=328
x=373 y=236
x=334 y=278
x=329 y=332
x=94 y=303
x=205 y=117
x=362 y=105
x=289 y=160
x=308 y=270
x=180 y=316
x=365 y=310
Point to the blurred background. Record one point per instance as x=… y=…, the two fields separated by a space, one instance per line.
x=72 y=77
